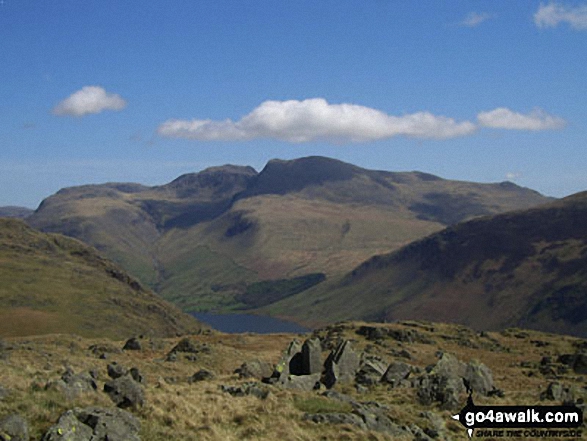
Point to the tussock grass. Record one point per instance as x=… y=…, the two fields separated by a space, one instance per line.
x=178 y=410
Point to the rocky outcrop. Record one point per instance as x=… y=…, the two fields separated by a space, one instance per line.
x=95 y=424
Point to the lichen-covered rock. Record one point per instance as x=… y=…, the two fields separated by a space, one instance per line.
x=95 y=424
x=290 y=362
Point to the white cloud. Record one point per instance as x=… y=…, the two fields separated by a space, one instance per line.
x=503 y=118
x=551 y=15
x=317 y=120
x=88 y=100
x=512 y=176
x=474 y=19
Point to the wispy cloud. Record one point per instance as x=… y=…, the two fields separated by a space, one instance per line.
x=474 y=19
x=552 y=14
x=512 y=176
x=317 y=120
x=89 y=100
x=504 y=118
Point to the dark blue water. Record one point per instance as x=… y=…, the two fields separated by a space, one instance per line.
x=239 y=323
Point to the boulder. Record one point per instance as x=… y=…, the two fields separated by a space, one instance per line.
x=312 y=357
x=116 y=370
x=370 y=371
x=201 y=375
x=95 y=424
x=558 y=392
x=396 y=373
x=290 y=363
x=73 y=385
x=445 y=390
x=478 y=378
x=14 y=428
x=254 y=369
x=125 y=392
x=132 y=344
x=341 y=365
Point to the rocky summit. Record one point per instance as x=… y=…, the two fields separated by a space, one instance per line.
x=354 y=381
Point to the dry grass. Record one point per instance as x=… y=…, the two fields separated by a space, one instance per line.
x=178 y=410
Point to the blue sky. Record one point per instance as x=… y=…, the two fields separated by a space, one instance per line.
x=99 y=91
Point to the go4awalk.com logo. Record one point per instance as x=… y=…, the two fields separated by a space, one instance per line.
x=521 y=421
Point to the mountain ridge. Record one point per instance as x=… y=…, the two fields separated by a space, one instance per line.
x=200 y=239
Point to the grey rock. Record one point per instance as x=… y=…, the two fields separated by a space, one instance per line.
x=396 y=372
x=133 y=344
x=335 y=418
x=14 y=428
x=375 y=418
x=95 y=424
x=370 y=371
x=367 y=416
x=373 y=333
x=250 y=388
x=102 y=350
x=445 y=390
x=186 y=345
x=478 y=377
x=334 y=395
x=69 y=428
x=125 y=392
x=136 y=375
x=116 y=370
x=254 y=369
x=290 y=362
x=73 y=385
x=202 y=375
x=558 y=392
x=341 y=365
x=449 y=366
x=300 y=382
x=312 y=357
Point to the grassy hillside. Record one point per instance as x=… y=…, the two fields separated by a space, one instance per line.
x=526 y=268
x=201 y=239
x=53 y=284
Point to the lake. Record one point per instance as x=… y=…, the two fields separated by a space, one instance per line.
x=240 y=323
